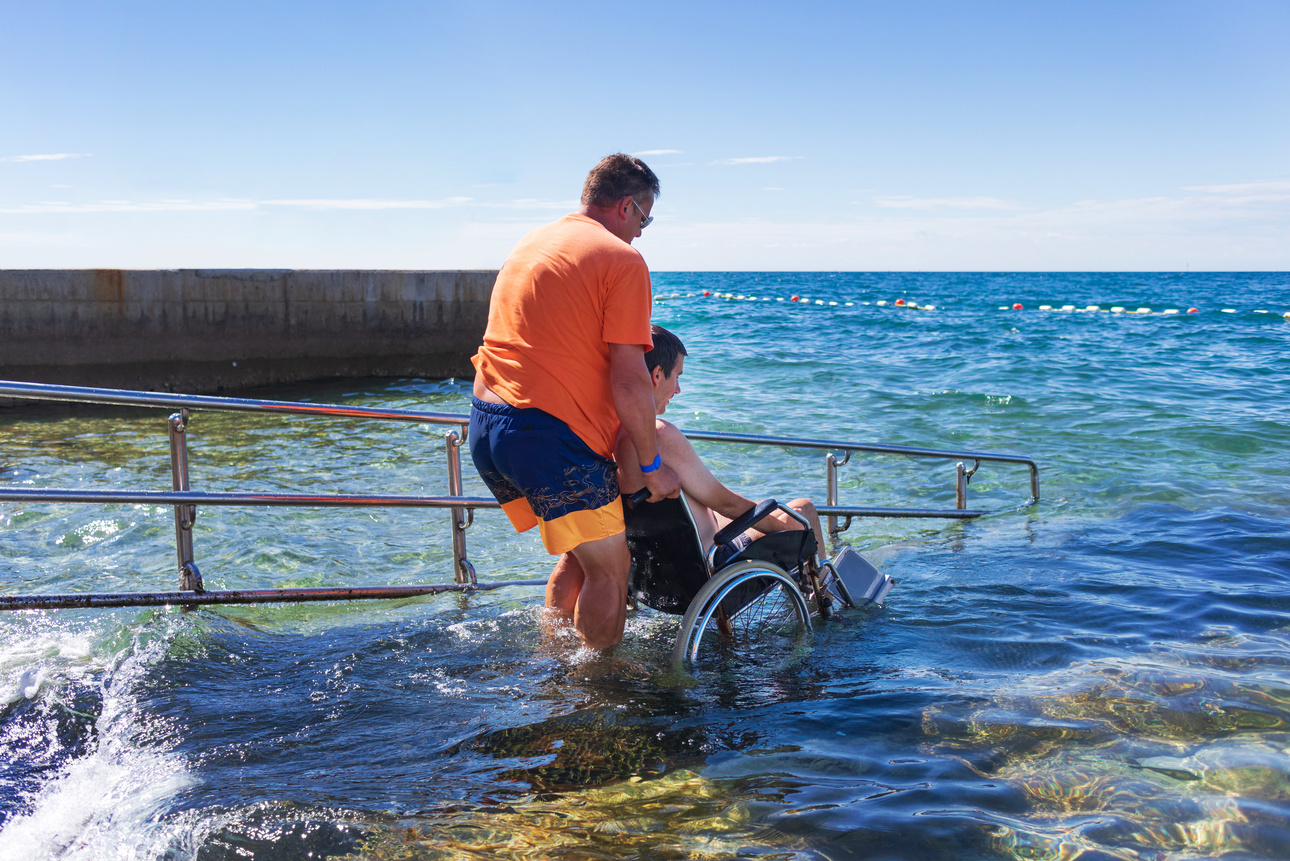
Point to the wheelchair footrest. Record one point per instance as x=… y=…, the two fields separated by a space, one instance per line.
x=858 y=582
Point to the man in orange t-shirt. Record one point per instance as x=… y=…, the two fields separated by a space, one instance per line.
x=561 y=368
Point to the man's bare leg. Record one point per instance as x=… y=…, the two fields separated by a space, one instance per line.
x=601 y=609
x=563 y=588
x=806 y=508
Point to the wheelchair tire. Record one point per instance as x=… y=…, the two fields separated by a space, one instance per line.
x=763 y=608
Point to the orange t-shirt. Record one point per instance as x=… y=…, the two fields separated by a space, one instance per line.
x=566 y=292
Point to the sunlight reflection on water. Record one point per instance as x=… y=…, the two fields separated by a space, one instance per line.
x=1102 y=676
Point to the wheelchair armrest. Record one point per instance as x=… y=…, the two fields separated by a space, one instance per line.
x=743 y=521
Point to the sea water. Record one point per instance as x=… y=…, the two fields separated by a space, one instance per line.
x=1104 y=674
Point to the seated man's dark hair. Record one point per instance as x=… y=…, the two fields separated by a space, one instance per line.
x=618 y=176
x=667 y=349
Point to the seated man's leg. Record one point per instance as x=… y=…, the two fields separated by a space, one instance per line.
x=601 y=609
x=806 y=508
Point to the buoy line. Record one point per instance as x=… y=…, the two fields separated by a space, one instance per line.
x=1121 y=309
x=906 y=304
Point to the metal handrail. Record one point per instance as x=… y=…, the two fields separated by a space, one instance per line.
x=871 y=448
x=193 y=497
x=125 y=397
x=461 y=508
x=832 y=510
x=189 y=598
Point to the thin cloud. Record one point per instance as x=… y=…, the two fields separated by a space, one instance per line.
x=318 y=204
x=658 y=152
x=534 y=203
x=58 y=206
x=757 y=159
x=1239 y=194
x=55 y=156
x=907 y=202
x=367 y=203
x=1230 y=226
x=1273 y=186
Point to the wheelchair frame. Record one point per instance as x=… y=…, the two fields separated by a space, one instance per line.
x=748 y=602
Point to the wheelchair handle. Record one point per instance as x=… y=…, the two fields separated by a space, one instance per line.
x=638 y=497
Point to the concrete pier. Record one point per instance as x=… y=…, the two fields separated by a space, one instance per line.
x=208 y=330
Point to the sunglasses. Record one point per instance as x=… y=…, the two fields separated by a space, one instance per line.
x=646 y=220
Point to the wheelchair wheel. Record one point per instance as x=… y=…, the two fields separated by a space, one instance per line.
x=751 y=608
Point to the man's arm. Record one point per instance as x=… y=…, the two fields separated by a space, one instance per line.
x=697 y=480
x=632 y=393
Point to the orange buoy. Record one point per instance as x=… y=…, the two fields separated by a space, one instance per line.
x=796 y=299
x=1193 y=310
x=900 y=301
x=1016 y=306
x=707 y=292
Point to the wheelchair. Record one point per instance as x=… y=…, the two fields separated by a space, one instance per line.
x=739 y=599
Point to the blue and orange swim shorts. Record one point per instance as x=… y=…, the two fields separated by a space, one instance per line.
x=544 y=475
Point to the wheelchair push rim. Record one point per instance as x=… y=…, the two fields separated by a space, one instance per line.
x=776 y=605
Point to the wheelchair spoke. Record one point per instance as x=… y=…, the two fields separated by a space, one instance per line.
x=767 y=612
x=748 y=609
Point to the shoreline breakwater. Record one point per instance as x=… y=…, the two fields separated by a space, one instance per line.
x=207 y=330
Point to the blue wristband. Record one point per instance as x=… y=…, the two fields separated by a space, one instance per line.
x=658 y=461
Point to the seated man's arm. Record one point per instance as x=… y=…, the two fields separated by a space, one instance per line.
x=698 y=482
x=632 y=391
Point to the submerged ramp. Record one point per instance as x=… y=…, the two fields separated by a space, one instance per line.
x=206 y=330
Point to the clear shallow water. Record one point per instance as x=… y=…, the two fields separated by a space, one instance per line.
x=1105 y=675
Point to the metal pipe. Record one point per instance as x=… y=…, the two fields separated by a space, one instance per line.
x=185 y=515
x=244 y=596
x=831 y=489
x=949 y=513
x=831 y=492
x=195 y=497
x=872 y=448
x=86 y=394
x=124 y=397
x=453 y=445
x=960 y=485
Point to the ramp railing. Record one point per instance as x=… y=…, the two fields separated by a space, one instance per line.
x=833 y=510
x=461 y=509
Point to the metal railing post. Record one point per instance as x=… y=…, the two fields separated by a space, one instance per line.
x=831 y=490
x=190 y=578
x=462 y=570
x=962 y=475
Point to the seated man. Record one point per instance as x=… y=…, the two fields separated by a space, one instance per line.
x=711 y=502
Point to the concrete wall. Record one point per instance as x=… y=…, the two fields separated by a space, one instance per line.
x=207 y=330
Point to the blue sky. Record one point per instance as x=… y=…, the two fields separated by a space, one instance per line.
x=803 y=136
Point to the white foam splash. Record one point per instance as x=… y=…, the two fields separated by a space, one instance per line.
x=110 y=803
x=27 y=663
